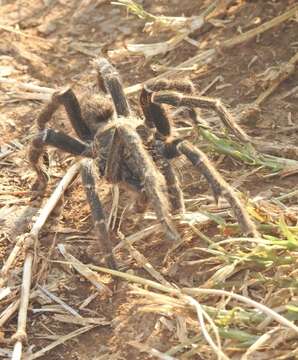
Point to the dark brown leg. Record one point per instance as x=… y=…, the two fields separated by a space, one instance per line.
x=219 y=186
x=36 y=146
x=156 y=115
x=109 y=80
x=68 y=99
x=104 y=241
x=176 y=99
x=174 y=191
x=59 y=140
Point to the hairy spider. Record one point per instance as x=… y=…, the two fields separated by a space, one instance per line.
x=130 y=151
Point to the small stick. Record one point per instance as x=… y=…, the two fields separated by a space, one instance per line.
x=13 y=307
x=144 y=263
x=21 y=336
x=287 y=70
x=4 y=292
x=8 y=312
x=259 y=343
x=61 y=340
x=260 y=29
x=44 y=214
x=18 y=32
x=27 y=96
x=131 y=239
x=59 y=301
x=28 y=86
x=85 y=271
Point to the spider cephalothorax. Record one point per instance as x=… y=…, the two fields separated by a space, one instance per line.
x=130 y=151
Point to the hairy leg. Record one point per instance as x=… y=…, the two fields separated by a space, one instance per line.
x=47 y=136
x=176 y=99
x=109 y=80
x=218 y=185
x=68 y=99
x=156 y=115
x=174 y=191
x=59 y=140
x=101 y=230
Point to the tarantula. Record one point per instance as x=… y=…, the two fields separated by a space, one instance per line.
x=132 y=151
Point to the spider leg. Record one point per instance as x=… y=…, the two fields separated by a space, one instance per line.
x=68 y=99
x=175 y=147
x=156 y=115
x=175 y=193
x=50 y=137
x=176 y=99
x=174 y=190
x=153 y=181
x=98 y=214
x=109 y=80
x=56 y=139
x=219 y=186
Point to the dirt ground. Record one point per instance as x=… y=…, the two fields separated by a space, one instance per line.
x=51 y=44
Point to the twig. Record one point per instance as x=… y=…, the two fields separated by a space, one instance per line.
x=259 y=343
x=27 y=86
x=20 y=336
x=4 y=292
x=59 y=301
x=200 y=313
x=82 y=320
x=85 y=271
x=60 y=341
x=260 y=29
x=283 y=74
x=13 y=307
x=137 y=236
x=8 y=312
x=142 y=261
x=26 y=240
x=18 y=32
